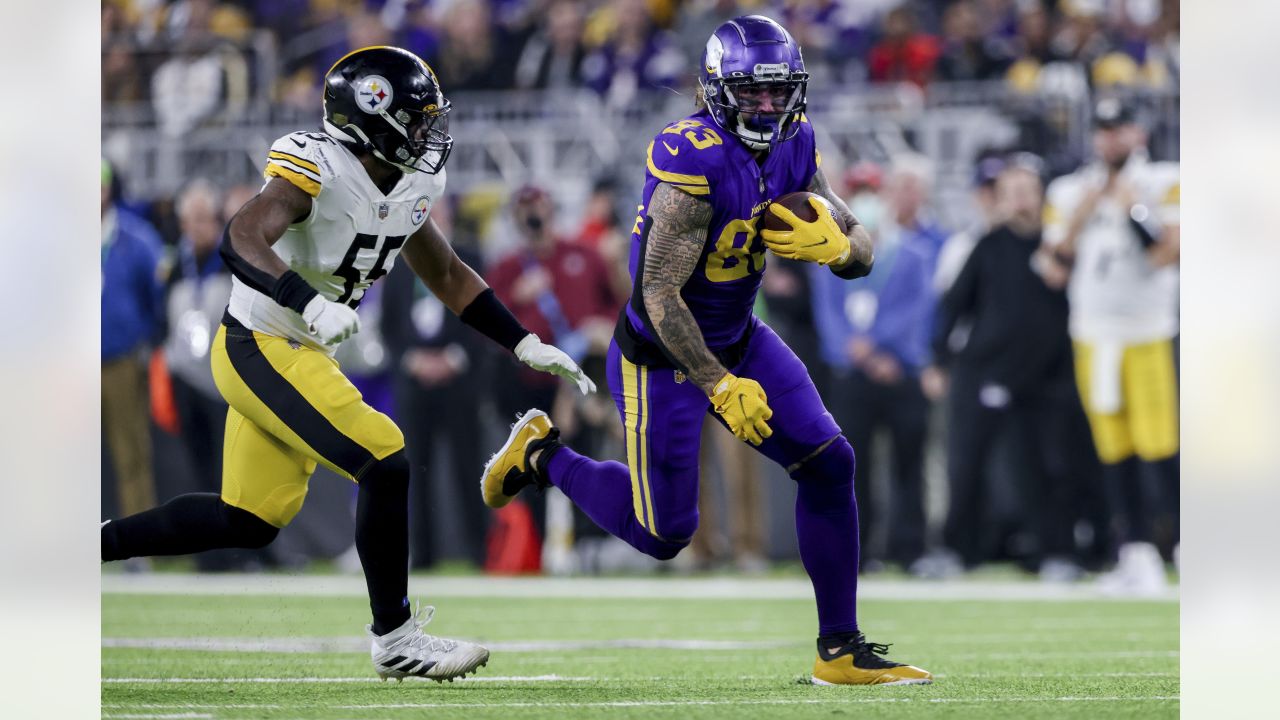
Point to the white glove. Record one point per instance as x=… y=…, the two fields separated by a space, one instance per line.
x=329 y=321
x=549 y=358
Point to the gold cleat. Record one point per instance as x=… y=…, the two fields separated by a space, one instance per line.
x=508 y=471
x=858 y=662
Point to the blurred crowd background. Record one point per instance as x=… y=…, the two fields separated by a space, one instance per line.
x=941 y=121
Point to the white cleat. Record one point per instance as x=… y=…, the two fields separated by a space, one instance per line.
x=1138 y=573
x=407 y=651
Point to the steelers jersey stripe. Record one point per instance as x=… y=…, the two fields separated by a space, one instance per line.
x=671 y=177
x=295 y=167
x=304 y=183
x=300 y=162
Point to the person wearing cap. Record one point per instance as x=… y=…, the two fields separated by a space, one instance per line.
x=1011 y=378
x=1112 y=238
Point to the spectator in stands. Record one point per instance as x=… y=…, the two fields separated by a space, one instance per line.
x=874 y=336
x=1032 y=47
x=474 y=52
x=131 y=311
x=1012 y=374
x=635 y=56
x=904 y=53
x=123 y=81
x=557 y=289
x=967 y=53
x=187 y=88
x=197 y=290
x=438 y=363
x=603 y=230
x=907 y=187
x=552 y=56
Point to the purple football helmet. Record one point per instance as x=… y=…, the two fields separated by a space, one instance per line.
x=753 y=80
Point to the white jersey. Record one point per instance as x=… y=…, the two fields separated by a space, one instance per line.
x=1116 y=295
x=350 y=239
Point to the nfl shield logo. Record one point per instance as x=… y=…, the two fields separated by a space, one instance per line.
x=383 y=209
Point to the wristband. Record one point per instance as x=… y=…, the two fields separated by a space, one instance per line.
x=488 y=315
x=292 y=291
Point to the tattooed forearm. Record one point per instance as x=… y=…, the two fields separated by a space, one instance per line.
x=859 y=238
x=674 y=245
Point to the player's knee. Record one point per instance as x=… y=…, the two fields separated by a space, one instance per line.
x=248 y=530
x=676 y=534
x=833 y=465
x=660 y=548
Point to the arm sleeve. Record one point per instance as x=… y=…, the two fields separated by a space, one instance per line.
x=1055 y=213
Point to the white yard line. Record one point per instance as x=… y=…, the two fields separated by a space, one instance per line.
x=568 y=678
x=164 y=715
x=355 y=643
x=838 y=696
x=648 y=588
x=333 y=680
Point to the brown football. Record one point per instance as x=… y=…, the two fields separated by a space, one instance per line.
x=798 y=203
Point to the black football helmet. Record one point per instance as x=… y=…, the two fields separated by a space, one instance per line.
x=388 y=101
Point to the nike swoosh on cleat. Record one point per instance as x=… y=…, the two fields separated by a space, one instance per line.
x=672 y=150
x=303 y=145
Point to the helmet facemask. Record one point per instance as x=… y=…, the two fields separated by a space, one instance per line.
x=426 y=140
x=759 y=109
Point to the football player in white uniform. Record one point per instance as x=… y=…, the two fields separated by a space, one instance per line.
x=1112 y=234
x=337 y=208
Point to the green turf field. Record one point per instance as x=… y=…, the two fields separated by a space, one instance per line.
x=575 y=652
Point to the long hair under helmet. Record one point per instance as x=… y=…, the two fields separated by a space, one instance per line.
x=389 y=102
x=749 y=52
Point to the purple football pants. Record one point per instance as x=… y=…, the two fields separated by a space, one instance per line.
x=651 y=502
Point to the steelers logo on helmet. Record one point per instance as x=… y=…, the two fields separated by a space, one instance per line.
x=374 y=94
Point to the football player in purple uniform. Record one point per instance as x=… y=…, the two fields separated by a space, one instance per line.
x=688 y=343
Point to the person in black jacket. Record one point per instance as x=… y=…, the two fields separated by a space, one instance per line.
x=437 y=391
x=1013 y=372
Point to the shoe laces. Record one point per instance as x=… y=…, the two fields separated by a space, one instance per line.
x=871 y=655
x=422 y=641
x=866 y=655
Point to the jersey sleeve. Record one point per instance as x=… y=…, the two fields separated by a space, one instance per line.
x=294 y=157
x=1055 y=211
x=686 y=155
x=810 y=158
x=1169 y=192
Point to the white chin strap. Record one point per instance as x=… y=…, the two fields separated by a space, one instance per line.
x=362 y=139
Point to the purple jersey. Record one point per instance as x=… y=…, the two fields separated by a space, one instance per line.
x=695 y=156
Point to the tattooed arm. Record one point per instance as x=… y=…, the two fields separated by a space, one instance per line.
x=675 y=240
x=859 y=238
